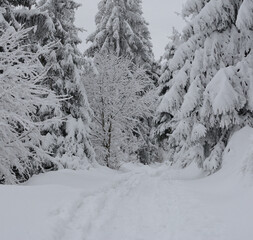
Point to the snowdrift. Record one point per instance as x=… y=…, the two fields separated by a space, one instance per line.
x=237 y=167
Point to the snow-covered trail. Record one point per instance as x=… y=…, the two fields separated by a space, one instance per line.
x=136 y=203
x=143 y=205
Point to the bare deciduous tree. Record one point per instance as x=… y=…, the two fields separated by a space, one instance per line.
x=119 y=96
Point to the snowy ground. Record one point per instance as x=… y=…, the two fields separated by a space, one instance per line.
x=137 y=203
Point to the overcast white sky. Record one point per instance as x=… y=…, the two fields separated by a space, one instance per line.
x=160 y=14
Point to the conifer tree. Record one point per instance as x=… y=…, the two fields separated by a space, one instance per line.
x=209 y=94
x=21 y=95
x=68 y=140
x=20 y=29
x=162 y=116
x=122 y=29
x=23 y=14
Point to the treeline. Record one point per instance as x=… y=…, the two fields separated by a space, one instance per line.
x=60 y=108
x=46 y=120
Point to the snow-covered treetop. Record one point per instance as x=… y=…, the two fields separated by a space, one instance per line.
x=62 y=14
x=122 y=29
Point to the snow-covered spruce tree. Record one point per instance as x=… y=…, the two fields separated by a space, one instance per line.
x=210 y=92
x=116 y=93
x=69 y=139
x=162 y=116
x=21 y=94
x=121 y=29
x=23 y=14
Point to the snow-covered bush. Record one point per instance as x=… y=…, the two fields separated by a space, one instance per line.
x=117 y=94
x=21 y=95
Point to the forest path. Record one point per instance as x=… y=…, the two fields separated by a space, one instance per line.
x=156 y=202
x=141 y=205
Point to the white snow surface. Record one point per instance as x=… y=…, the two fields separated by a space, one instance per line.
x=136 y=203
